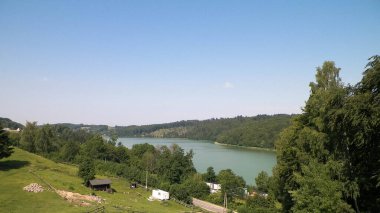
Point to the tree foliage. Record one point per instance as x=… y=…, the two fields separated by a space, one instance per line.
x=232 y=185
x=86 y=170
x=258 y=204
x=196 y=186
x=262 y=181
x=317 y=191
x=328 y=158
x=5 y=144
x=29 y=136
x=44 y=140
x=210 y=175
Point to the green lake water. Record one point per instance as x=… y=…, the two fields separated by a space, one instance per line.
x=244 y=162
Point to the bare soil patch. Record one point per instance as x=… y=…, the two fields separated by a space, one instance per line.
x=80 y=199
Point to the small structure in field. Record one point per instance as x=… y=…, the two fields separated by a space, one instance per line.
x=101 y=185
x=133 y=185
x=159 y=194
x=214 y=187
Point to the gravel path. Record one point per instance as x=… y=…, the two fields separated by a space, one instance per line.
x=208 y=206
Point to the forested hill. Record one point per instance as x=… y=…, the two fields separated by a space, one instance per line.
x=8 y=123
x=258 y=131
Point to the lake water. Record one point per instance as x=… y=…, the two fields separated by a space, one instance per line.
x=244 y=162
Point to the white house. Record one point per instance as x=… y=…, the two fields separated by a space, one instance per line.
x=214 y=187
x=160 y=194
x=12 y=130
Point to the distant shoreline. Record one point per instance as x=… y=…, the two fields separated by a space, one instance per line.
x=247 y=147
x=216 y=143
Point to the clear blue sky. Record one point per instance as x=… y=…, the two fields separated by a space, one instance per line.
x=141 y=62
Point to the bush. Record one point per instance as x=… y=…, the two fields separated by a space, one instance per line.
x=86 y=170
x=180 y=192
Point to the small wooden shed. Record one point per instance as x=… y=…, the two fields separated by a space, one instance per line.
x=133 y=185
x=101 y=184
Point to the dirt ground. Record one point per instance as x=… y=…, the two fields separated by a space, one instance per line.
x=80 y=199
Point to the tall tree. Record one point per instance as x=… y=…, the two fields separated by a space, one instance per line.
x=210 y=175
x=44 y=139
x=317 y=191
x=5 y=144
x=86 y=170
x=329 y=157
x=262 y=181
x=69 y=151
x=28 y=136
x=196 y=186
x=356 y=127
x=309 y=137
x=231 y=183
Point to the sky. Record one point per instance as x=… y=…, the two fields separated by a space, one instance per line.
x=144 y=62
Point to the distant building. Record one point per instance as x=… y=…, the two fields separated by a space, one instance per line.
x=159 y=194
x=85 y=128
x=261 y=194
x=246 y=193
x=214 y=187
x=12 y=130
x=101 y=185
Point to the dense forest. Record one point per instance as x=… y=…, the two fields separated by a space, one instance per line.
x=258 y=131
x=328 y=159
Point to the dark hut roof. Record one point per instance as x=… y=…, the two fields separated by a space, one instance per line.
x=97 y=182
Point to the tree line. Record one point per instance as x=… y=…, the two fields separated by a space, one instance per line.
x=328 y=159
x=258 y=131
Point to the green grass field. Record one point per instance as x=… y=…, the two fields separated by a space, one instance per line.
x=15 y=174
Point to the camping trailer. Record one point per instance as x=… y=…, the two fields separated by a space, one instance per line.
x=160 y=194
x=214 y=187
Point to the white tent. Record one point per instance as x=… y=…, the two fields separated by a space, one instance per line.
x=160 y=194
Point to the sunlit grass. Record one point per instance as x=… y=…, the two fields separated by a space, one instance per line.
x=15 y=173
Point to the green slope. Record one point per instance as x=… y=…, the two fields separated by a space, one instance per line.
x=15 y=173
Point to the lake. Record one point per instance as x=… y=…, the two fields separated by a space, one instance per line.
x=244 y=162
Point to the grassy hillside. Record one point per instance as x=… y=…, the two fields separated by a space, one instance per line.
x=17 y=172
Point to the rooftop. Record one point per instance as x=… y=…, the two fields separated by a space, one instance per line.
x=97 y=182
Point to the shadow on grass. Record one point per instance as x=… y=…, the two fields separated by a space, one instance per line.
x=13 y=164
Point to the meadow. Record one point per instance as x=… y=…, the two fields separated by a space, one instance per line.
x=23 y=168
